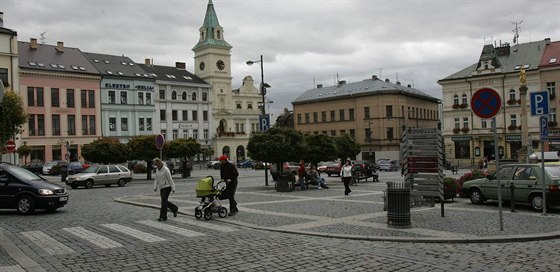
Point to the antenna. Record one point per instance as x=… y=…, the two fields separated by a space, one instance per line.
x=43 y=38
x=516 y=31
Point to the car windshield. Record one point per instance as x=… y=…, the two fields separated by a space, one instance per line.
x=24 y=174
x=553 y=171
x=91 y=169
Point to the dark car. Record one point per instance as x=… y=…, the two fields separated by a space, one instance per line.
x=246 y=164
x=35 y=166
x=75 y=167
x=25 y=191
x=333 y=169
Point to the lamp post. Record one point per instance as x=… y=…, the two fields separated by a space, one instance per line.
x=263 y=93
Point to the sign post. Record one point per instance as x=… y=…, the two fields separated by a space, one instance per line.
x=539 y=107
x=160 y=140
x=486 y=104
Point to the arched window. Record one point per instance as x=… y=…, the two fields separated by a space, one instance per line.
x=193 y=96
x=174 y=95
x=455 y=100
x=184 y=96
x=464 y=99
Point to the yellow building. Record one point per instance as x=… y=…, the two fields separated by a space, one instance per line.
x=372 y=111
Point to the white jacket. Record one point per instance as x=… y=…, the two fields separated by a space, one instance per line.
x=346 y=171
x=163 y=179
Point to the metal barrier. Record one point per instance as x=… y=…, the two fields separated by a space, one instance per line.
x=398 y=204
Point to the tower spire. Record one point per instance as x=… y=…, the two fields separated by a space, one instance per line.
x=211 y=33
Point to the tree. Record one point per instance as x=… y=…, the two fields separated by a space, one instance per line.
x=12 y=116
x=320 y=147
x=24 y=151
x=346 y=147
x=105 y=150
x=277 y=145
x=184 y=149
x=144 y=148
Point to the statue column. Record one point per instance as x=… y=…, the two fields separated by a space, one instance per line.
x=522 y=154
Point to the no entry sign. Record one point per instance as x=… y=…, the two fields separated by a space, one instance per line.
x=10 y=146
x=486 y=103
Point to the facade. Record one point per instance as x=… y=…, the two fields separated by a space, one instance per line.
x=373 y=112
x=60 y=89
x=183 y=103
x=9 y=66
x=468 y=138
x=235 y=113
x=127 y=97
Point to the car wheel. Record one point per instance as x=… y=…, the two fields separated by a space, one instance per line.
x=107 y=185
x=26 y=205
x=223 y=212
x=89 y=184
x=74 y=186
x=536 y=202
x=476 y=196
x=121 y=182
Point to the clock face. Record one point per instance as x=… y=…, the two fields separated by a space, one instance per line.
x=220 y=64
x=202 y=65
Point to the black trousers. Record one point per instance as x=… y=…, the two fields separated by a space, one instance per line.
x=165 y=204
x=347 y=181
x=231 y=187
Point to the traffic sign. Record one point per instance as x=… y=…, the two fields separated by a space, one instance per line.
x=486 y=103
x=539 y=103
x=160 y=139
x=544 y=127
x=10 y=146
x=264 y=121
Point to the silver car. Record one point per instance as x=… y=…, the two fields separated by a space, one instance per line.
x=100 y=175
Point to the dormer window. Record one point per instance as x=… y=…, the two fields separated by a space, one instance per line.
x=218 y=34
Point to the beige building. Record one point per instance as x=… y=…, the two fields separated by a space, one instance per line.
x=372 y=111
x=468 y=138
x=9 y=68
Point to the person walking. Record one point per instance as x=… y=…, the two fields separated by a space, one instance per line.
x=166 y=186
x=229 y=174
x=346 y=175
x=301 y=175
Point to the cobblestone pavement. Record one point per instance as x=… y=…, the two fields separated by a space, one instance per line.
x=95 y=233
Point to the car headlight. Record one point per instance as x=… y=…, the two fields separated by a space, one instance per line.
x=45 y=192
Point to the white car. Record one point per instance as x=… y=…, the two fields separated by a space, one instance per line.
x=100 y=175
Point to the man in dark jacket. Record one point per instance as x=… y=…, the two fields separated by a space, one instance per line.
x=228 y=173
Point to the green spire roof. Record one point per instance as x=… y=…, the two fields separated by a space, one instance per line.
x=211 y=23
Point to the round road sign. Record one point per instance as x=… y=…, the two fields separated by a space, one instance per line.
x=10 y=146
x=486 y=103
x=159 y=141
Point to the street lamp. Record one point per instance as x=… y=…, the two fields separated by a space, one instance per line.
x=263 y=93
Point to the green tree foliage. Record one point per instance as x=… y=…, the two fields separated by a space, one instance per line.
x=24 y=151
x=320 y=147
x=144 y=148
x=12 y=116
x=105 y=150
x=346 y=147
x=277 y=145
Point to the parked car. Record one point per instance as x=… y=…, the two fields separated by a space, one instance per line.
x=287 y=167
x=261 y=165
x=35 y=166
x=322 y=167
x=49 y=166
x=528 y=185
x=246 y=164
x=100 y=175
x=25 y=191
x=213 y=164
x=75 y=167
x=333 y=169
x=388 y=165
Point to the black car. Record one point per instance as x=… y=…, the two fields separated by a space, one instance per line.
x=25 y=191
x=34 y=166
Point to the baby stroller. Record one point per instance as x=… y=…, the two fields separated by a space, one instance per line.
x=209 y=199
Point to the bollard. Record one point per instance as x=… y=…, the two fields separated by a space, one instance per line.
x=511 y=193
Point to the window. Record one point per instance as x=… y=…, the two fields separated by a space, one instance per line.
x=55 y=124
x=238 y=105
x=390 y=133
x=307 y=118
x=141 y=124
x=352 y=133
x=462 y=150
x=249 y=105
x=351 y=114
x=112 y=124
x=55 y=98
x=551 y=87
x=512 y=94
x=174 y=115
x=148 y=124
x=315 y=118
x=185 y=134
x=175 y=134
x=204 y=96
x=35 y=97
x=31 y=122
x=40 y=98
x=366 y=112
x=124 y=124
x=70 y=98
x=457 y=123
x=195 y=116
x=193 y=96
x=205 y=132
x=84 y=100
x=140 y=98
x=148 y=98
x=30 y=96
x=368 y=134
x=552 y=115
x=112 y=97
x=195 y=133
x=185 y=115
x=161 y=94
x=299 y=118
x=464 y=99
x=342 y=132
x=456 y=100
x=323 y=116
x=513 y=120
x=92 y=129
x=465 y=122
x=71 y=125
x=174 y=95
x=124 y=98
x=84 y=125
x=483 y=124
x=333 y=116
x=41 y=124
x=162 y=115
x=389 y=111
x=341 y=115
x=333 y=132
x=204 y=115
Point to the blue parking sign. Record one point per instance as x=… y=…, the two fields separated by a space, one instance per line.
x=264 y=122
x=544 y=127
x=539 y=103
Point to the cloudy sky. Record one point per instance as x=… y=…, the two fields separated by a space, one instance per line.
x=304 y=42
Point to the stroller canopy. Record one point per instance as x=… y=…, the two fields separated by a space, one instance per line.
x=205 y=187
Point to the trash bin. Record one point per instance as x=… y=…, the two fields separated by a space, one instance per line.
x=285 y=182
x=63 y=173
x=398 y=204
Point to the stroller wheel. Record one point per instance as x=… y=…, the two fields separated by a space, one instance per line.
x=197 y=213
x=207 y=215
x=222 y=212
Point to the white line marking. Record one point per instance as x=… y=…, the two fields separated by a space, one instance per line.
x=170 y=228
x=206 y=225
x=144 y=236
x=47 y=243
x=92 y=237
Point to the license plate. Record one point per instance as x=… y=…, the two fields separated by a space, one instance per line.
x=64 y=198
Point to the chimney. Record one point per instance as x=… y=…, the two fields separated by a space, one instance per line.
x=387 y=80
x=398 y=83
x=60 y=47
x=547 y=41
x=180 y=65
x=341 y=82
x=374 y=77
x=33 y=43
x=319 y=86
x=147 y=62
x=409 y=86
x=1 y=19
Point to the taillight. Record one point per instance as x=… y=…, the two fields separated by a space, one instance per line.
x=553 y=188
